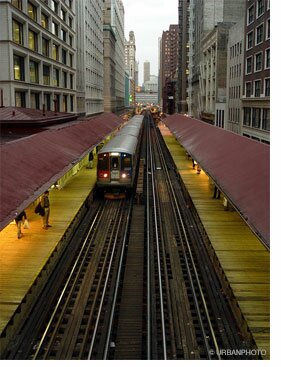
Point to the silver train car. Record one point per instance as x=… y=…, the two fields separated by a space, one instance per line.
x=117 y=160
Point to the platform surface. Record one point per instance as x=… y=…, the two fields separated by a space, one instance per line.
x=244 y=259
x=21 y=260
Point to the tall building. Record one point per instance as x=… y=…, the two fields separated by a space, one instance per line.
x=89 y=81
x=168 y=67
x=146 y=71
x=38 y=54
x=117 y=23
x=235 y=62
x=130 y=64
x=183 y=56
x=204 y=16
x=256 y=76
x=114 y=56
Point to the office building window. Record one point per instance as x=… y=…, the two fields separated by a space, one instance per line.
x=247 y=116
x=44 y=21
x=259 y=34
x=268 y=29
x=63 y=35
x=32 y=40
x=70 y=22
x=17 y=4
x=45 y=46
x=56 y=78
x=70 y=40
x=34 y=101
x=249 y=40
x=71 y=104
x=64 y=79
x=18 y=68
x=55 y=28
x=256 y=119
x=17 y=32
x=267 y=87
x=258 y=61
x=46 y=74
x=260 y=7
x=32 y=11
x=248 y=89
x=257 y=88
x=64 y=103
x=63 y=56
x=54 y=6
x=251 y=14
x=266 y=119
x=249 y=65
x=47 y=101
x=63 y=14
x=71 y=60
x=267 y=58
x=33 y=72
x=55 y=52
x=71 y=81
x=20 y=99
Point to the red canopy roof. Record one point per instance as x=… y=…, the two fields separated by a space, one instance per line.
x=238 y=165
x=31 y=165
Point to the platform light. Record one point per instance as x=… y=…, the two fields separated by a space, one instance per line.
x=114 y=154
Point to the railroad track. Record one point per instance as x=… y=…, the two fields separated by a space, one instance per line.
x=140 y=285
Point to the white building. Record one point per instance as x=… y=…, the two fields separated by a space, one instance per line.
x=38 y=54
x=117 y=24
x=89 y=15
x=235 y=58
x=152 y=84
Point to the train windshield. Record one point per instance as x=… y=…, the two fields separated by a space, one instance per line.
x=127 y=164
x=103 y=163
x=114 y=162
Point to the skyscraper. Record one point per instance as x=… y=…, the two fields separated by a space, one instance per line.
x=146 y=71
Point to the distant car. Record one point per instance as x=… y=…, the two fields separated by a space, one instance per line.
x=117 y=160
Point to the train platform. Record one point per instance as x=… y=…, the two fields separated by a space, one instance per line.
x=22 y=260
x=243 y=258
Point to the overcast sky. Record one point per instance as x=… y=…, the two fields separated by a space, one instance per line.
x=148 y=19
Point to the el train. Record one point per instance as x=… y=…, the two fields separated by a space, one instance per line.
x=117 y=160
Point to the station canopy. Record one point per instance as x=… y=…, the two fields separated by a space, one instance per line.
x=239 y=166
x=30 y=165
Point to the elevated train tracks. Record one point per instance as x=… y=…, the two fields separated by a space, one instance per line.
x=140 y=285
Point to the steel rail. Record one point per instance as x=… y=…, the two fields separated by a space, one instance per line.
x=177 y=212
x=153 y=179
x=96 y=220
x=148 y=276
x=120 y=265
x=104 y=289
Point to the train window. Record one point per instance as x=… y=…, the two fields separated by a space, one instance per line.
x=127 y=163
x=114 y=162
x=103 y=163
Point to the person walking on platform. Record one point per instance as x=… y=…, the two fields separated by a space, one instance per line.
x=45 y=203
x=19 y=220
x=91 y=160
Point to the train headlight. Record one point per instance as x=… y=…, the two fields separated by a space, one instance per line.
x=123 y=175
x=105 y=175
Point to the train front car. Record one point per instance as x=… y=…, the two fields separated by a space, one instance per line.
x=117 y=160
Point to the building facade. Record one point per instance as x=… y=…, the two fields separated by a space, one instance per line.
x=89 y=65
x=169 y=67
x=131 y=64
x=146 y=71
x=256 y=74
x=205 y=15
x=38 y=54
x=183 y=55
x=235 y=63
